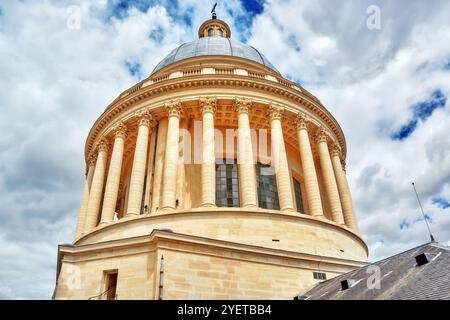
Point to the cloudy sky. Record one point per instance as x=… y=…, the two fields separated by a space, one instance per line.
x=62 y=62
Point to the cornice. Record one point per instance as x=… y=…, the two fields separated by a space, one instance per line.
x=195 y=244
x=210 y=81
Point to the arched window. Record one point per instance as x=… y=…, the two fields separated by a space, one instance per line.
x=298 y=196
x=210 y=32
x=220 y=33
x=227 y=184
x=267 y=187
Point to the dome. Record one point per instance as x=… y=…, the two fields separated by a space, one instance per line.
x=177 y=177
x=214 y=46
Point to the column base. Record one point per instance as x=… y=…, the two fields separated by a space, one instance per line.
x=131 y=215
x=167 y=208
x=208 y=205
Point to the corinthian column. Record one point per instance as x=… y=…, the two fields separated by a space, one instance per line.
x=247 y=176
x=135 y=194
x=208 y=108
x=95 y=196
x=85 y=199
x=309 y=170
x=344 y=190
x=113 y=179
x=279 y=159
x=171 y=156
x=328 y=176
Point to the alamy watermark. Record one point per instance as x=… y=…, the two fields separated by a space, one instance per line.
x=73 y=21
x=373 y=21
x=73 y=279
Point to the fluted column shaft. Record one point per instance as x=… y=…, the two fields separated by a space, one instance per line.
x=184 y=144
x=208 y=107
x=344 y=191
x=139 y=165
x=96 y=192
x=279 y=160
x=329 y=179
x=159 y=165
x=84 y=201
x=113 y=179
x=171 y=156
x=247 y=175
x=150 y=171
x=309 y=170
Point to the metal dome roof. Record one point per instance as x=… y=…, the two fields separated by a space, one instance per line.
x=213 y=46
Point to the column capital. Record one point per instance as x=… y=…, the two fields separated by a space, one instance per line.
x=92 y=159
x=242 y=105
x=120 y=130
x=174 y=108
x=208 y=104
x=335 y=150
x=320 y=135
x=275 y=112
x=145 y=118
x=302 y=121
x=103 y=145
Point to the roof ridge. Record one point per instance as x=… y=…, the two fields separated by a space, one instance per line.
x=400 y=253
x=260 y=55
x=381 y=261
x=438 y=245
x=176 y=52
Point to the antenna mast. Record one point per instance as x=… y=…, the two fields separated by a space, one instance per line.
x=423 y=213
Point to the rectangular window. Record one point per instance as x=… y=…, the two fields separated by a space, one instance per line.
x=227 y=185
x=267 y=187
x=320 y=275
x=298 y=196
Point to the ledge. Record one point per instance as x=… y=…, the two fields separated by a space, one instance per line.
x=223 y=246
x=236 y=211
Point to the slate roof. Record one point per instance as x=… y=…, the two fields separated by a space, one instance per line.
x=401 y=278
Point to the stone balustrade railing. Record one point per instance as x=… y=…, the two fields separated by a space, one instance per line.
x=217 y=71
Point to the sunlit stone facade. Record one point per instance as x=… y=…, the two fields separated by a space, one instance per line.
x=213 y=178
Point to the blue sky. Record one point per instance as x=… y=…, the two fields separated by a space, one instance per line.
x=389 y=89
x=420 y=113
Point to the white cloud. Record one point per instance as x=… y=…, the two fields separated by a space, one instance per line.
x=369 y=81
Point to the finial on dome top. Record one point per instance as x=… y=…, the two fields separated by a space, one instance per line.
x=214 y=27
x=213 y=11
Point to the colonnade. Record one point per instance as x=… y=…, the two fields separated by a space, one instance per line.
x=100 y=198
